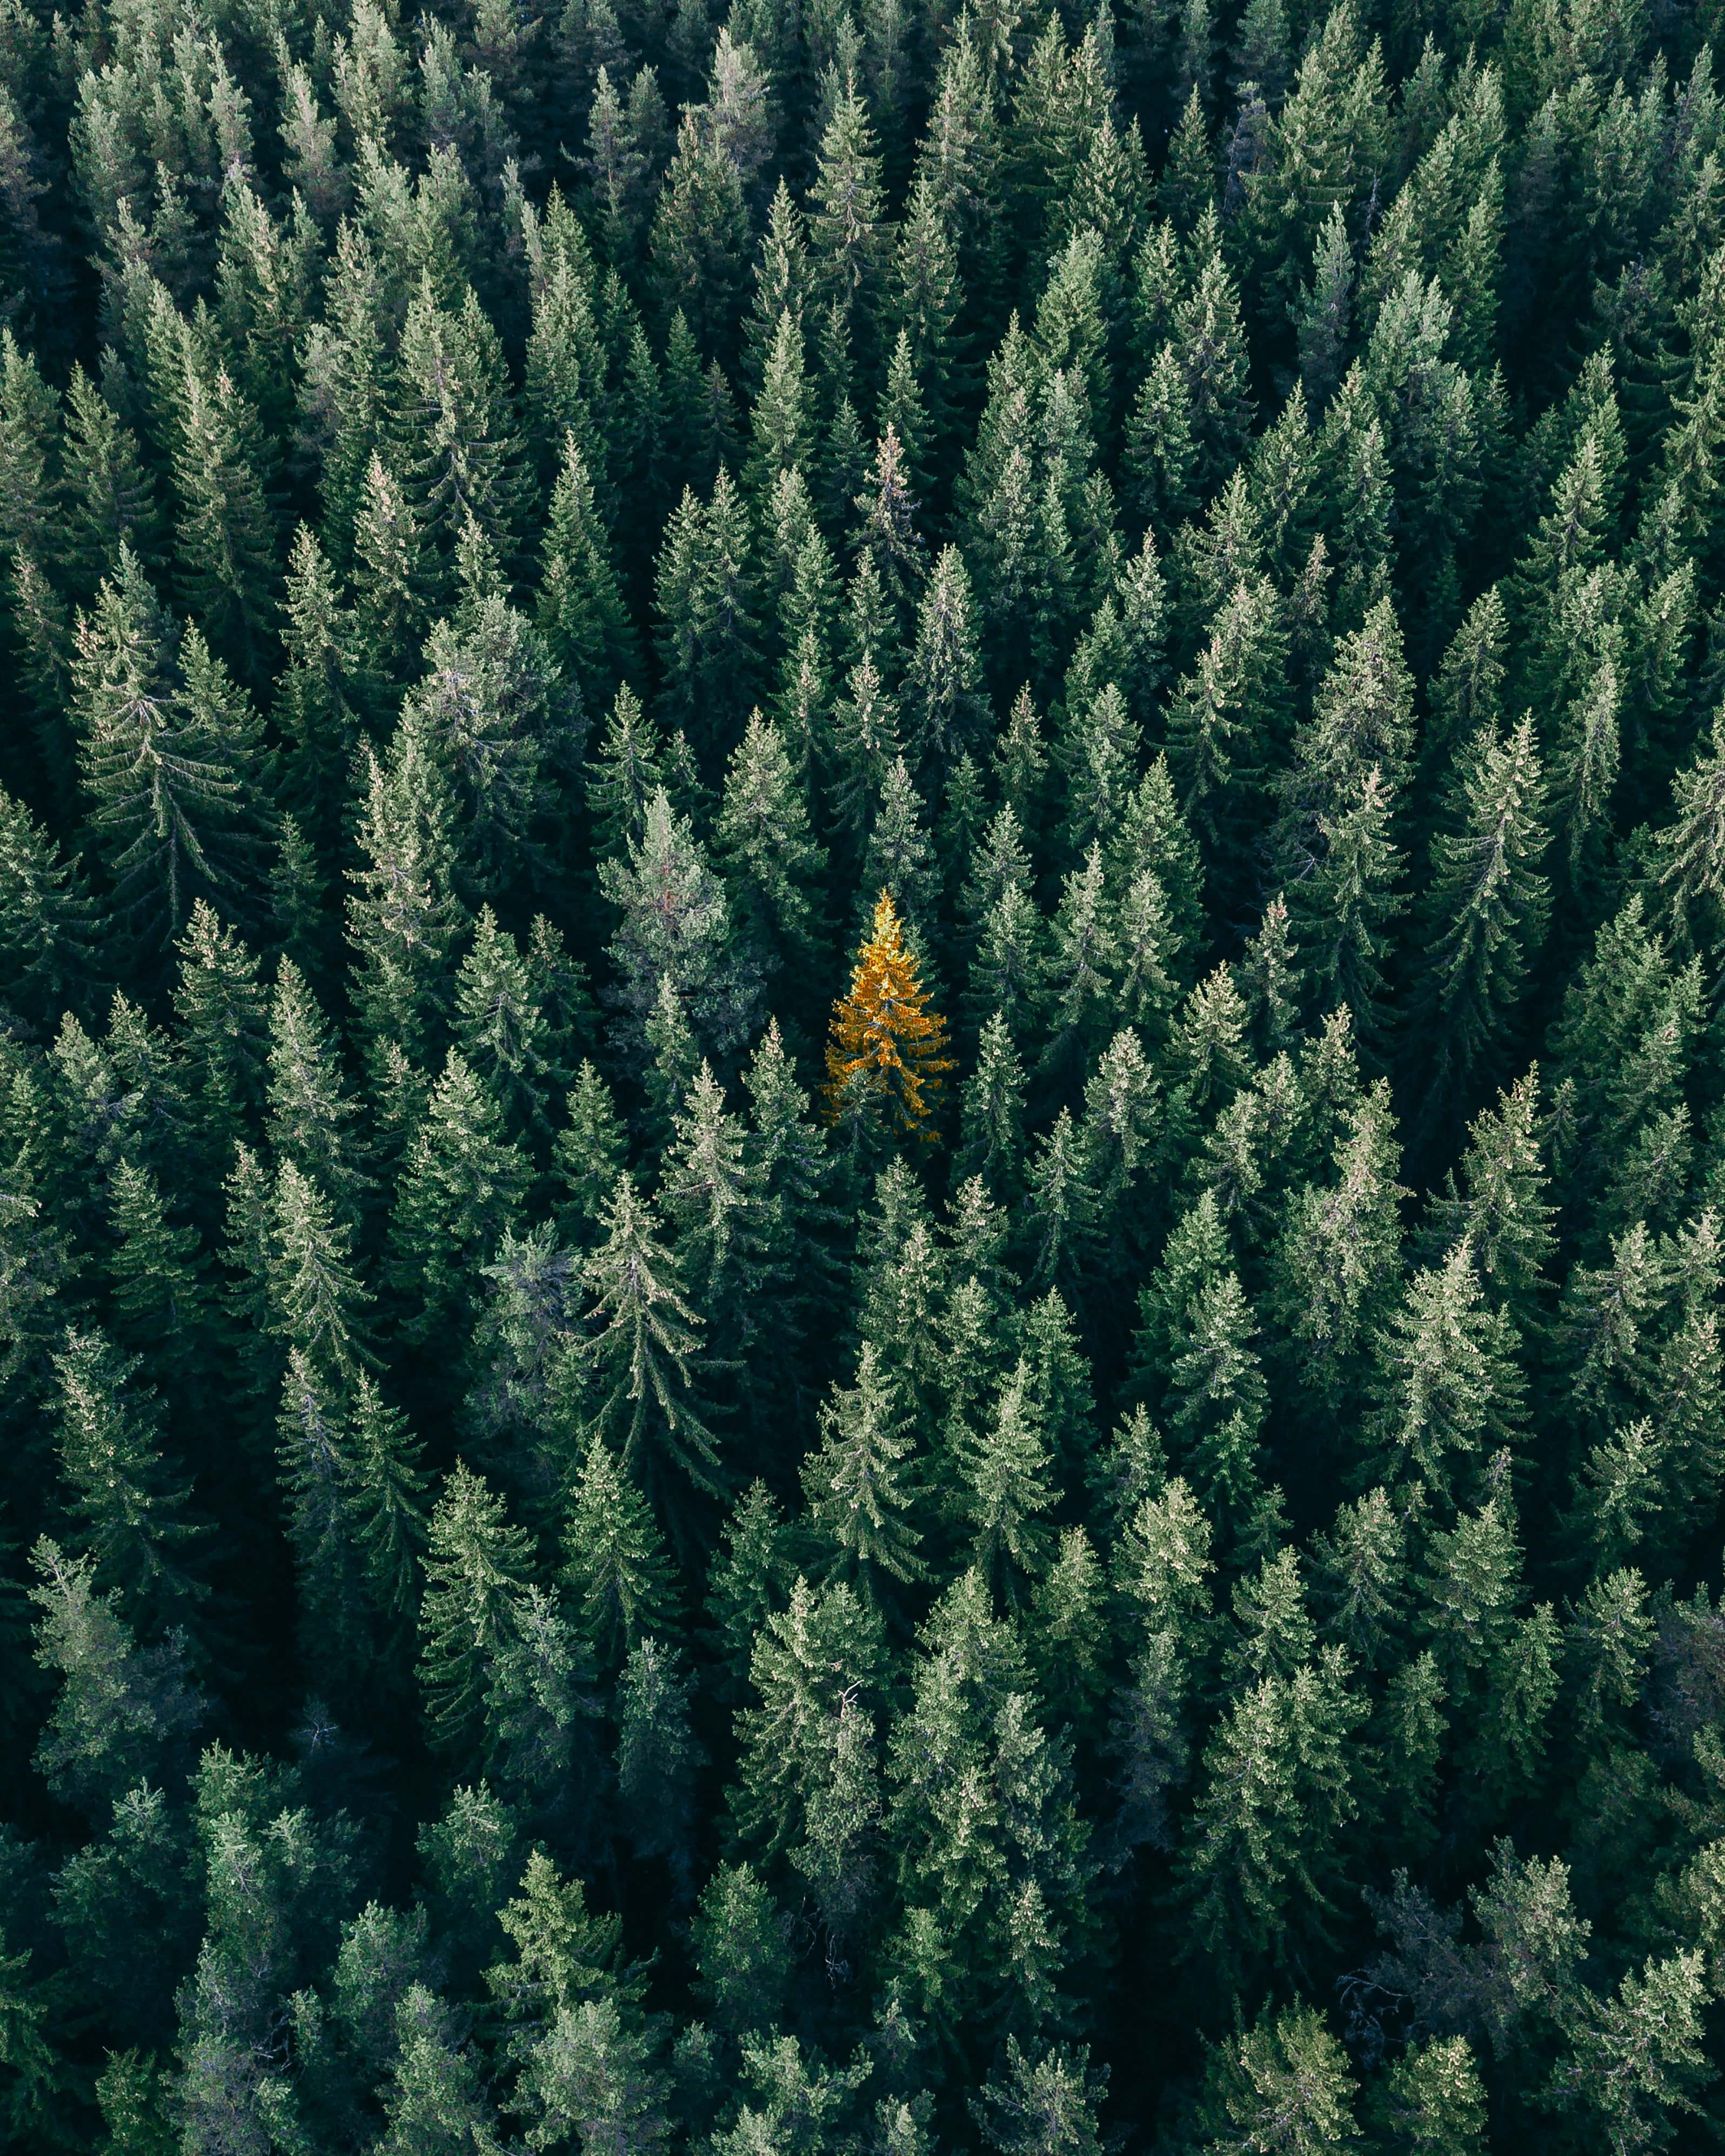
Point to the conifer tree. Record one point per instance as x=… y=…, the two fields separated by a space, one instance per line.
x=886 y=532
x=1324 y=314
x=313 y=702
x=826 y=1643
x=796 y=1218
x=674 y=926
x=700 y=236
x=488 y=723
x=1009 y=967
x=740 y=1951
x=1196 y=1255
x=860 y=1493
x=657 y=1757
x=1690 y=847
x=402 y=913
x=454 y=430
x=499 y=1028
x=1047 y=2101
x=1217 y=1398
x=1622 y=1037
x=220 y=1007
x=47 y=960
x=899 y=859
x=781 y=416
x=435 y=2084
x=580 y=611
x=762 y=840
x=993 y=1111
x=312 y=1474
x=750 y=1578
x=847 y=230
x=461 y=1182
x=887 y=1042
x=1285 y=2081
x=122 y=1712
x=1447 y=1380
x=1225 y=715
x=614 y=1560
x=703 y=591
x=316 y=1299
x=864 y=743
x=109 y=493
x=393 y=584
x=29 y=416
x=158 y=1296
x=309 y=1110
x=1002 y=1894
x=1343 y=907
x=627 y=771
x=705 y=1193
x=566 y=363
x=587 y=1153
x=1063 y=1205
x=1639 y=2056
x=1487 y=905
x=131 y=1513
x=1081 y=964
x=942 y=704
x=386 y=1491
x=803 y=702
x=1499 y=1206
x=1264 y=1850
x=478 y=1568
x=677 y=1062
x=1003 y=1467
x=633 y=1369
x=225 y=537
x=1336 y=1261
x=171 y=767
x=296 y=896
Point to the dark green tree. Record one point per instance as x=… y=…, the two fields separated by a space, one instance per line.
x=462 y=1181
x=170 y=760
x=130 y=1512
x=633 y=1371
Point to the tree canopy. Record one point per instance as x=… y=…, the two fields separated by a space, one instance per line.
x=862 y=1087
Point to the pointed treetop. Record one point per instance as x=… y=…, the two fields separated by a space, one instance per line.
x=885 y=1032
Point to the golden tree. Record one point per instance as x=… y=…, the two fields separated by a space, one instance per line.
x=886 y=1038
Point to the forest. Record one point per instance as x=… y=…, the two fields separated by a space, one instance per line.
x=862 y=1077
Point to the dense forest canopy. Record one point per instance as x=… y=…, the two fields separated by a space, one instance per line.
x=862 y=1078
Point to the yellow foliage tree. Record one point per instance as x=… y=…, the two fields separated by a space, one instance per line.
x=884 y=1034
